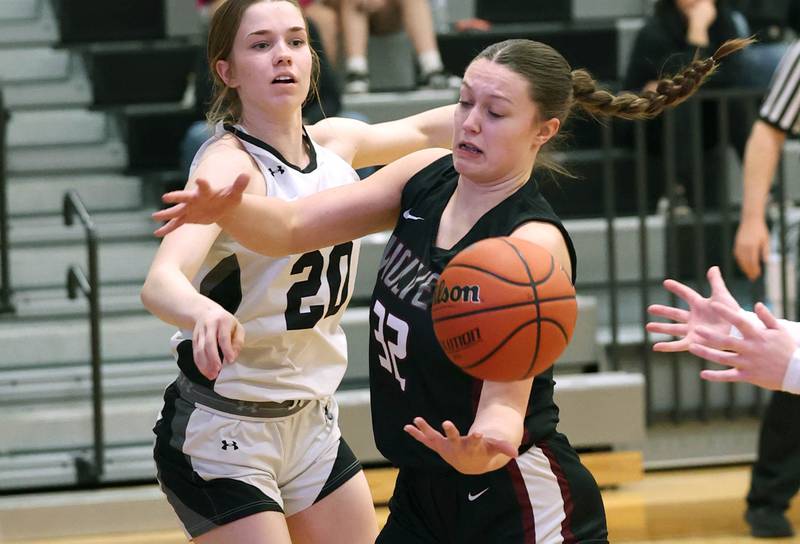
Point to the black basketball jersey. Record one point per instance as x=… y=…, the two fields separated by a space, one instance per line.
x=410 y=375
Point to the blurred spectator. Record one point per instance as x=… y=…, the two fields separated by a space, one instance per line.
x=671 y=38
x=359 y=18
x=326 y=19
x=676 y=32
x=772 y=20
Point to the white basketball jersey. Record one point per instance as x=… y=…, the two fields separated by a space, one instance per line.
x=291 y=306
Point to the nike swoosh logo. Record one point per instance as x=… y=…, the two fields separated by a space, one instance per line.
x=407 y=215
x=471 y=497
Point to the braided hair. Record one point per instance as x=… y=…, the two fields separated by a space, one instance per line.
x=647 y=104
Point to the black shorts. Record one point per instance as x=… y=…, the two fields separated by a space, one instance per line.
x=216 y=467
x=546 y=496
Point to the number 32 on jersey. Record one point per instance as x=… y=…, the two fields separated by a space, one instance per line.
x=391 y=332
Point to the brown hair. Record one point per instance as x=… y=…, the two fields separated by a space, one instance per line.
x=225 y=103
x=555 y=88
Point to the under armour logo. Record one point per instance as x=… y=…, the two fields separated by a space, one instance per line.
x=231 y=444
x=279 y=171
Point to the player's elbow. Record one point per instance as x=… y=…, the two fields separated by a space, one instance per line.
x=147 y=295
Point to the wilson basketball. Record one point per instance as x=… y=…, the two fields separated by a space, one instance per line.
x=504 y=310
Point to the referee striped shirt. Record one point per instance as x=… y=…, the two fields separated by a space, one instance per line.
x=781 y=107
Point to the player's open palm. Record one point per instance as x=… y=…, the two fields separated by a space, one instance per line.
x=700 y=313
x=471 y=454
x=760 y=356
x=201 y=204
x=217 y=339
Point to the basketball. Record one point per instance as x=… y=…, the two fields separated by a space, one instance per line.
x=504 y=310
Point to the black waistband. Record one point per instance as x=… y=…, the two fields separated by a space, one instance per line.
x=199 y=394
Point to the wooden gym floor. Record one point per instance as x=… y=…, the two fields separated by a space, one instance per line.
x=700 y=506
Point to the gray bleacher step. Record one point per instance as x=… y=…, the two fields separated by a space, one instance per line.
x=36 y=470
x=53 y=302
x=110 y=226
x=122 y=463
x=590 y=239
x=103 y=156
x=629 y=307
x=73 y=90
x=388 y=106
x=39 y=29
x=607 y=9
x=45 y=194
x=35 y=386
x=602 y=409
x=28 y=344
x=57 y=127
x=26 y=64
x=12 y=10
x=45 y=265
x=68 y=424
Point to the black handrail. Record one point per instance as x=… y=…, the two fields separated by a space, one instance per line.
x=88 y=470
x=6 y=306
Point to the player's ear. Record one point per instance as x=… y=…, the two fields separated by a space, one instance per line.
x=226 y=73
x=546 y=130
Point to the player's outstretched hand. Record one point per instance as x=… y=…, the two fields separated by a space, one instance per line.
x=201 y=204
x=217 y=339
x=685 y=322
x=760 y=356
x=471 y=454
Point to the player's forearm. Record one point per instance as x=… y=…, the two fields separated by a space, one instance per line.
x=261 y=224
x=168 y=295
x=499 y=422
x=276 y=227
x=762 y=155
x=436 y=126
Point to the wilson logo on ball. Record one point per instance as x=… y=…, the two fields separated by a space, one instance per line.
x=457 y=293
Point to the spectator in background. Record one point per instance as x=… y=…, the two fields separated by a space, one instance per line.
x=359 y=18
x=772 y=20
x=676 y=32
x=326 y=19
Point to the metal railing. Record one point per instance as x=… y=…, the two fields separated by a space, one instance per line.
x=89 y=469
x=6 y=304
x=687 y=235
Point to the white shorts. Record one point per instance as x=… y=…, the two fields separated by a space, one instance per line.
x=216 y=467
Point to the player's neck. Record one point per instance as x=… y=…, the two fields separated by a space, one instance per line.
x=470 y=202
x=285 y=134
x=480 y=197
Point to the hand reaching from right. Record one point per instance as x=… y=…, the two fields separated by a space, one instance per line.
x=216 y=331
x=202 y=204
x=761 y=356
x=699 y=314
